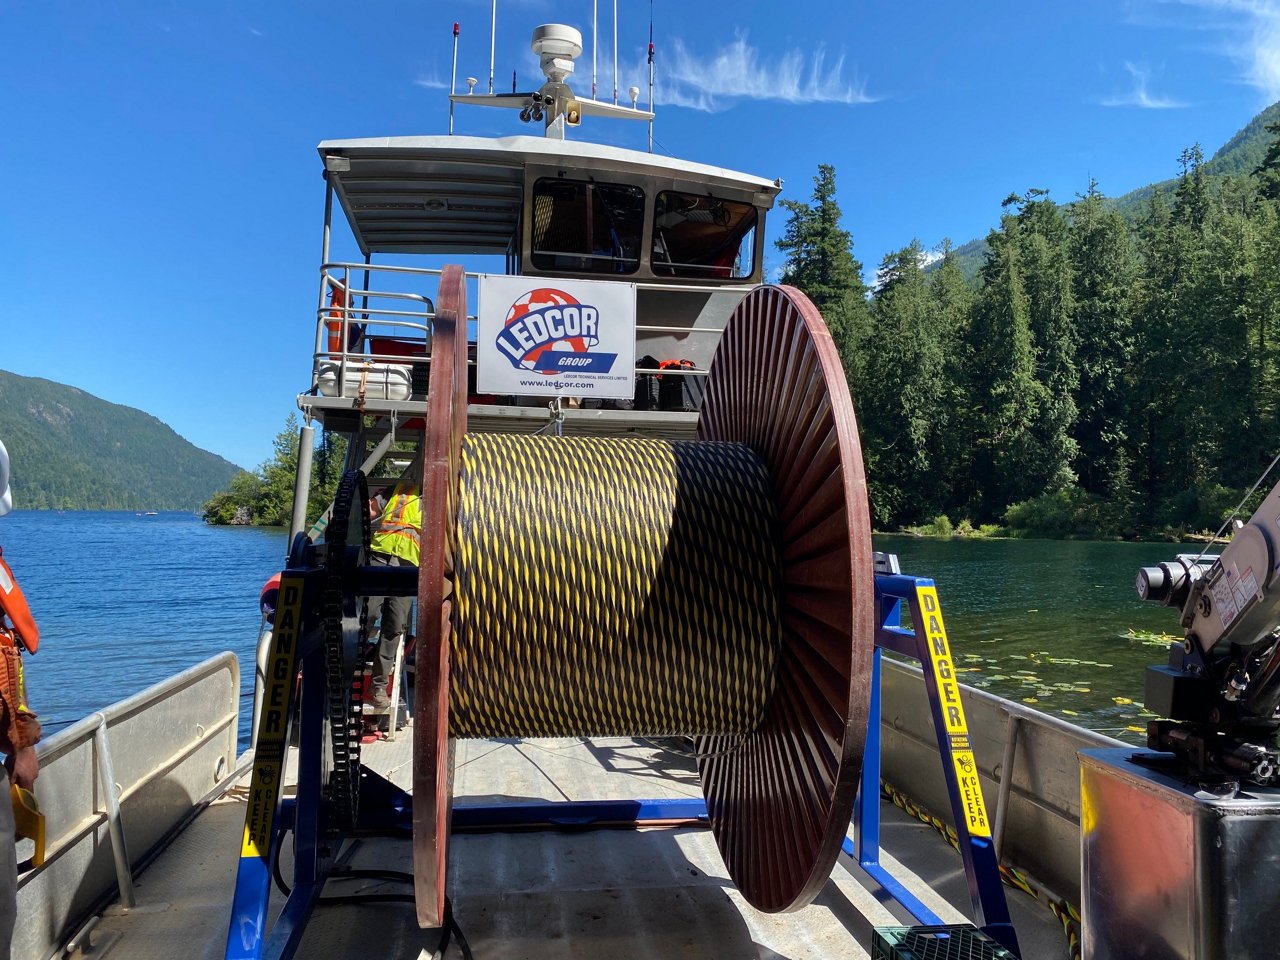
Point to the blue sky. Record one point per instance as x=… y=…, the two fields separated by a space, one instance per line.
x=161 y=222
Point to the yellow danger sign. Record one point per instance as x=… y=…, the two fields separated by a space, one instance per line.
x=944 y=674
x=273 y=721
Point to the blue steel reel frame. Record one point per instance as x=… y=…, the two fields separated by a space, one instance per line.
x=927 y=644
x=386 y=808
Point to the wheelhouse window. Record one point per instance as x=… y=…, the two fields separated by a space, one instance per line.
x=581 y=226
x=700 y=236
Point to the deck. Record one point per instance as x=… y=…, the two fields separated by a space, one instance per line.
x=609 y=894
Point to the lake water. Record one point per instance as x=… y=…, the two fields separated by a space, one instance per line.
x=1044 y=622
x=125 y=601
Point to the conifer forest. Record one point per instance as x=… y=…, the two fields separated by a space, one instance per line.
x=1110 y=371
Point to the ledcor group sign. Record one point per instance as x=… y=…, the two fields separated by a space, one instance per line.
x=543 y=337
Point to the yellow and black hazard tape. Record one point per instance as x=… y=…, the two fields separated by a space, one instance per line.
x=609 y=587
x=1067 y=914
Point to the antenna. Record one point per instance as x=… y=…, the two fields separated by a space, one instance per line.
x=493 y=39
x=453 y=79
x=651 y=75
x=595 y=42
x=615 y=50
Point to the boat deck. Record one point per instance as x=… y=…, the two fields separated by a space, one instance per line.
x=606 y=893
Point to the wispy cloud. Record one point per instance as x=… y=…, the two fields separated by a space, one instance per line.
x=1140 y=96
x=431 y=82
x=739 y=71
x=1254 y=30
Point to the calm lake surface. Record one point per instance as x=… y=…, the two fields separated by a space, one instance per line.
x=1044 y=622
x=125 y=601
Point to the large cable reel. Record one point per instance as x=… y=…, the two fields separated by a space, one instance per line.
x=783 y=678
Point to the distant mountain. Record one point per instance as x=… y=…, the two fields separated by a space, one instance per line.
x=71 y=450
x=1238 y=156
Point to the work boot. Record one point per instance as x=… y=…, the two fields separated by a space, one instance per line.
x=378 y=696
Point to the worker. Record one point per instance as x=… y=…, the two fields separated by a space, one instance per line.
x=19 y=728
x=396 y=543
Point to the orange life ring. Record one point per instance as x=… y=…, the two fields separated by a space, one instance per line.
x=14 y=606
x=270 y=594
x=337 y=307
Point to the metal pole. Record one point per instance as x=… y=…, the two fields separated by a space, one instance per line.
x=493 y=39
x=1006 y=780
x=260 y=677
x=453 y=79
x=301 y=482
x=615 y=50
x=115 y=827
x=595 y=42
x=328 y=218
x=651 y=81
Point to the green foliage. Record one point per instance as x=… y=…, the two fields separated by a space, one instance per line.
x=820 y=262
x=265 y=498
x=1068 y=513
x=1103 y=376
x=1239 y=156
x=71 y=450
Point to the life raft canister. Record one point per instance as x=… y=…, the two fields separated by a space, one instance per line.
x=270 y=596
x=14 y=606
x=337 y=307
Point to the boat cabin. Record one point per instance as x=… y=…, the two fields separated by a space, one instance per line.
x=688 y=236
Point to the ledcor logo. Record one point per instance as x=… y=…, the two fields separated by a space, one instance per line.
x=548 y=331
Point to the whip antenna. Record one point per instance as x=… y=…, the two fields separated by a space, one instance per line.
x=651 y=76
x=453 y=79
x=615 y=50
x=493 y=39
x=595 y=42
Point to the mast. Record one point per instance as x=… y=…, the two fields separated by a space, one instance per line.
x=493 y=39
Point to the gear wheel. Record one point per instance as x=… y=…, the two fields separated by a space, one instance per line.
x=346 y=550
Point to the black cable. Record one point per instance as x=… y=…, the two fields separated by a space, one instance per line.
x=452 y=924
x=350 y=873
x=275 y=868
x=365 y=898
x=448 y=929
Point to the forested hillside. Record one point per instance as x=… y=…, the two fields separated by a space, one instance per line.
x=1100 y=376
x=71 y=450
x=1239 y=156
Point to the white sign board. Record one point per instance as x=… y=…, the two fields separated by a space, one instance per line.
x=539 y=336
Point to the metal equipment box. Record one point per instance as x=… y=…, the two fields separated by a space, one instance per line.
x=1172 y=872
x=955 y=942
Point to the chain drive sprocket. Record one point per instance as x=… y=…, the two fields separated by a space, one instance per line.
x=346 y=550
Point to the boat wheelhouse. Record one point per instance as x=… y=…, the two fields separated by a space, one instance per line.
x=687 y=236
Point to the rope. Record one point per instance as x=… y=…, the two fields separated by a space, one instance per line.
x=1063 y=910
x=613 y=587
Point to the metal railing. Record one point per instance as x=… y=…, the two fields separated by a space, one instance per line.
x=367 y=330
x=115 y=787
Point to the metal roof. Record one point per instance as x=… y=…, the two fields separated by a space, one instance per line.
x=462 y=195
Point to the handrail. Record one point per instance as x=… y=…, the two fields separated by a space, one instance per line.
x=141 y=768
x=367 y=313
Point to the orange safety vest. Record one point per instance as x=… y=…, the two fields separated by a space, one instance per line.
x=14 y=606
x=18 y=725
x=400 y=532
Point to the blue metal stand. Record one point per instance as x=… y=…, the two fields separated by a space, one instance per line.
x=927 y=644
x=387 y=809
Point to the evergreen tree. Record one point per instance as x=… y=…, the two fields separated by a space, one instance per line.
x=1042 y=238
x=820 y=262
x=952 y=301
x=1268 y=171
x=905 y=397
x=1103 y=257
x=1007 y=397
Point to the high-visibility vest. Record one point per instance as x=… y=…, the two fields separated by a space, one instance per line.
x=400 y=534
